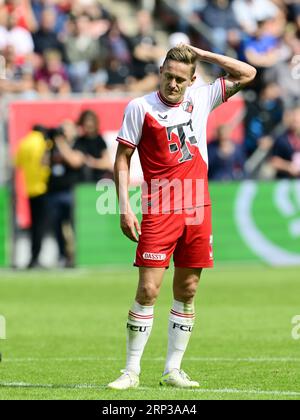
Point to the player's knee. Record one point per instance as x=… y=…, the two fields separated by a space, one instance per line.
x=186 y=294
x=189 y=295
x=147 y=294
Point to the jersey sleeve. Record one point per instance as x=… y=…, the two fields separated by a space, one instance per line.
x=131 y=130
x=209 y=97
x=216 y=93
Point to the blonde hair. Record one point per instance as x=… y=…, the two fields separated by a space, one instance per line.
x=183 y=54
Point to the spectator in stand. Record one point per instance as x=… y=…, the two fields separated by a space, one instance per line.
x=219 y=16
x=146 y=52
x=45 y=38
x=264 y=49
x=97 y=79
x=13 y=35
x=64 y=164
x=184 y=12
x=291 y=9
x=286 y=150
x=33 y=160
x=297 y=18
x=18 y=78
x=89 y=6
x=52 y=77
x=264 y=114
x=81 y=49
x=146 y=55
x=249 y=13
x=60 y=9
x=286 y=73
x=148 y=5
x=116 y=46
x=22 y=9
x=97 y=161
x=99 y=16
x=118 y=75
x=226 y=159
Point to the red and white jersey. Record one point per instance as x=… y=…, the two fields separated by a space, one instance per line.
x=171 y=141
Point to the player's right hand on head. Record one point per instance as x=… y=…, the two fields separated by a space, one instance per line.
x=130 y=226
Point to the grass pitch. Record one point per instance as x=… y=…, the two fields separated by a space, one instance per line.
x=66 y=335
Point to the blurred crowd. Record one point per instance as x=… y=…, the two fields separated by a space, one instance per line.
x=64 y=46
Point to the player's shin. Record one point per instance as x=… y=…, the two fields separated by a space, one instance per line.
x=139 y=326
x=181 y=322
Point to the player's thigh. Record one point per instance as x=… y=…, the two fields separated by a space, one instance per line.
x=194 y=248
x=158 y=240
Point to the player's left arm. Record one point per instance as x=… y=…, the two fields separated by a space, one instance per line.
x=239 y=74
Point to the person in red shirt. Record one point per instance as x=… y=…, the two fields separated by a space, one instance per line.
x=23 y=11
x=52 y=77
x=168 y=128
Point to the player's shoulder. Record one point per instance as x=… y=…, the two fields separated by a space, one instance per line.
x=203 y=86
x=134 y=103
x=142 y=103
x=142 y=100
x=203 y=91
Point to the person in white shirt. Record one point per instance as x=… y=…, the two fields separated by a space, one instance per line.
x=249 y=12
x=15 y=36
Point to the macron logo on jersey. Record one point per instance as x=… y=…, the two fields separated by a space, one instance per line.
x=154 y=257
x=162 y=117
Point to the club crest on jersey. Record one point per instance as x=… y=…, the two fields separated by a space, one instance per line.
x=188 y=107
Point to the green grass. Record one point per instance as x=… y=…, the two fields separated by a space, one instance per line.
x=66 y=335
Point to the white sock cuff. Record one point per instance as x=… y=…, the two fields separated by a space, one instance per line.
x=141 y=314
x=143 y=310
x=183 y=312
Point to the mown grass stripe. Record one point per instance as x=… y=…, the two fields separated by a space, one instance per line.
x=200 y=391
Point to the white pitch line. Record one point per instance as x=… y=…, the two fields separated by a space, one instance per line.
x=199 y=391
x=154 y=359
x=49 y=386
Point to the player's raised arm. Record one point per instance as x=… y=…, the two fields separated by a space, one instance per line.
x=129 y=222
x=239 y=74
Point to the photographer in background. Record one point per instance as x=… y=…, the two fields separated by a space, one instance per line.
x=65 y=163
x=97 y=164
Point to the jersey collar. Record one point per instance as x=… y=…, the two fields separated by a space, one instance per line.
x=166 y=102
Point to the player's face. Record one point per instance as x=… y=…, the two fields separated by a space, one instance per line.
x=175 y=78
